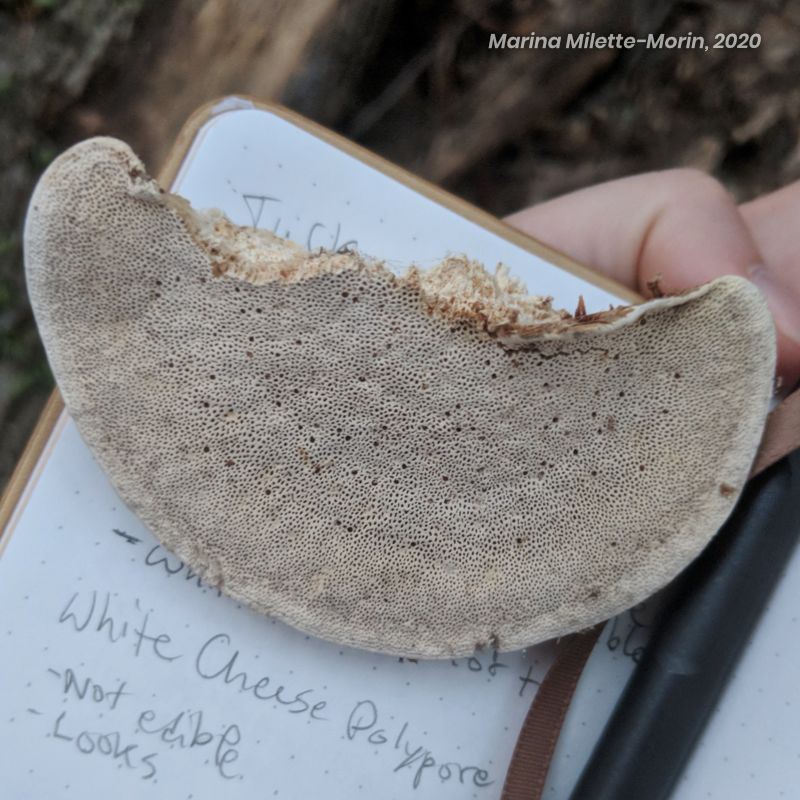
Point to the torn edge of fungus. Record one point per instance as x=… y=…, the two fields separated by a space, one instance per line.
x=456 y=289
x=655 y=288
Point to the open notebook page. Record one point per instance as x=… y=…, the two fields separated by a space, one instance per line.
x=124 y=673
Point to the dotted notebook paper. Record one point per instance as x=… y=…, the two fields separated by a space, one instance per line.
x=124 y=675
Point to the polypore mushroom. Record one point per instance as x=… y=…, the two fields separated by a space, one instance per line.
x=417 y=465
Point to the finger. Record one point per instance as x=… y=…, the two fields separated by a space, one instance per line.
x=678 y=223
x=772 y=220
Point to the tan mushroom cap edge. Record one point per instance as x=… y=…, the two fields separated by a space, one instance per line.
x=419 y=464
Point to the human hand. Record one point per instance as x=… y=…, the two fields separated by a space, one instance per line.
x=682 y=226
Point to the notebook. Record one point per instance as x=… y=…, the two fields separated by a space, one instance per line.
x=124 y=674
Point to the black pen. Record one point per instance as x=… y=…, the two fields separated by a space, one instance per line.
x=710 y=613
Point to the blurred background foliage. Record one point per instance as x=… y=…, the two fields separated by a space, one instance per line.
x=412 y=80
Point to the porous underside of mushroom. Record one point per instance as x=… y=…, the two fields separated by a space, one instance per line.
x=419 y=465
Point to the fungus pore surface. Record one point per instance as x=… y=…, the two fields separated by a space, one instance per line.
x=419 y=465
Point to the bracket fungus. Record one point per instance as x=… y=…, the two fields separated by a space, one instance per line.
x=419 y=464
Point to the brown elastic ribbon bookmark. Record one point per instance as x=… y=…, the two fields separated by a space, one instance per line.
x=782 y=434
x=537 y=740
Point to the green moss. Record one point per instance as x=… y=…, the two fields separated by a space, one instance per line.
x=6 y=295
x=42 y=154
x=37 y=376
x=9 y=242
x=6 y=83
